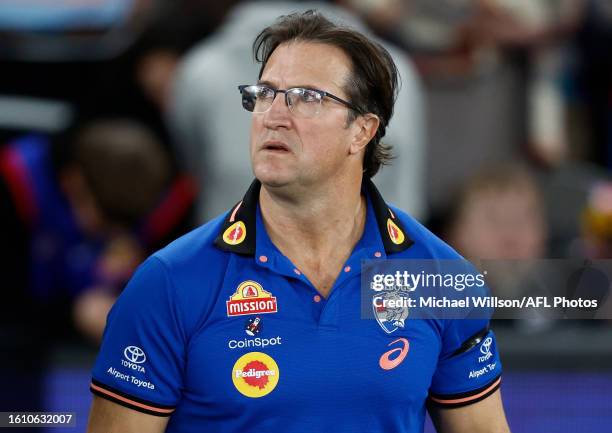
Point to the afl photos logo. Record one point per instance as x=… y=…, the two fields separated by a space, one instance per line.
x=385 y=361
x=250 y=298
x=235 y=233
x=255 y=374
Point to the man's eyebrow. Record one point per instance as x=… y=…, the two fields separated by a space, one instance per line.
x=303 y=86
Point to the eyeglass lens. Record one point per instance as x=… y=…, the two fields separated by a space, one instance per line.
x=302 y=102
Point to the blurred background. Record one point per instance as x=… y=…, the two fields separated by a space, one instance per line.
x=121 y=129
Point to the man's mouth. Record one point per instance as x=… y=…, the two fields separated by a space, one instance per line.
x=275 y=146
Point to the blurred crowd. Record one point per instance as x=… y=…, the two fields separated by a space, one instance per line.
x=121 y=128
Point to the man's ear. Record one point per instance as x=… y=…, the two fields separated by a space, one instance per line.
x=365 y=127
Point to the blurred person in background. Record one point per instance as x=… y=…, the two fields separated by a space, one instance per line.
x=498 y=219
x=493 y=70
x=176 y=27
x=595 y=241
x=62 y=256
x=208 y=126
x=499 y=214
x=108 y=58
x=80 y=213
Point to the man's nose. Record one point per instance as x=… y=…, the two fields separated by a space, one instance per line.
x=278 y=116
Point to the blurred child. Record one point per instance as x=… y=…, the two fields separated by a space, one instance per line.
x=499 y=215
x=81 y=213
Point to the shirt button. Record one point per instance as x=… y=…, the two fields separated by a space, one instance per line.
x=297 y=271
x=378 y=254
x=317 y=298
x=347 y=269
x=263 y=259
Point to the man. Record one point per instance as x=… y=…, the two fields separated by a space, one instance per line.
x=284 y=265
x=204 y=115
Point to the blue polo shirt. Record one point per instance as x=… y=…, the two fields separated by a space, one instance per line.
x=221 y=332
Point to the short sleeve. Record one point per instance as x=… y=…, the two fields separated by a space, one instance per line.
x=142 y=356
x=469 y=367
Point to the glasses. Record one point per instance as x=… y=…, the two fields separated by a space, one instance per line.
x=302 y=102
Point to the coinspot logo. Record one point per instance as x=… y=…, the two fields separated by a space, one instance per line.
x=134 y=354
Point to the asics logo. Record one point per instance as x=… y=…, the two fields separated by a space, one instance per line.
x=386 y=363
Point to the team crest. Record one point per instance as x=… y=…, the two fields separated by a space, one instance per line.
x=250 y=298
x=391 y=317
x=235 y=233
x=395 y=233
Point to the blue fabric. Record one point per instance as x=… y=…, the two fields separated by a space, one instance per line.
x=329 y=375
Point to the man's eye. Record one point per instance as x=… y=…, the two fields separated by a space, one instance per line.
x=265 y=92
x=308 y=96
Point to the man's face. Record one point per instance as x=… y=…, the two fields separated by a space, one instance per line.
x=289 y=150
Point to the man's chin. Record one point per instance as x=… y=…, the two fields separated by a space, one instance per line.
x=273 y=181
x=271 y=178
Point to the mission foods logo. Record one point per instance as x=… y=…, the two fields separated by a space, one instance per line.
x=255 y=374
x=396 y=235
x=250 y=298
x=235 y=233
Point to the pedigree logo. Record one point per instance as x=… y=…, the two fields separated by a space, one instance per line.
x=255 y=374
x=250 y=298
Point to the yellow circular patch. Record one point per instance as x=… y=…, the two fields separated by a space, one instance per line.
x=235 y=233
x=396 y=235
x=255 y=374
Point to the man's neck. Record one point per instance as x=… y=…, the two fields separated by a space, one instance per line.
x=316 y=229
x=316 y=222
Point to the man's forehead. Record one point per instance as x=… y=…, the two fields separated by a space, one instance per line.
x=307 y=64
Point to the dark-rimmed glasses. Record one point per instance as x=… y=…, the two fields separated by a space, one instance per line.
x=302 y=102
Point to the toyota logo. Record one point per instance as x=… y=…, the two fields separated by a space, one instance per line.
x=134 y=354
x=486 y=346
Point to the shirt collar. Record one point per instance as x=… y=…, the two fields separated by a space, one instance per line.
x=238 y=231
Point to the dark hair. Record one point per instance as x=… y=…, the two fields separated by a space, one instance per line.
x=372 y=86
x=499 y=178
x=123 y=162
